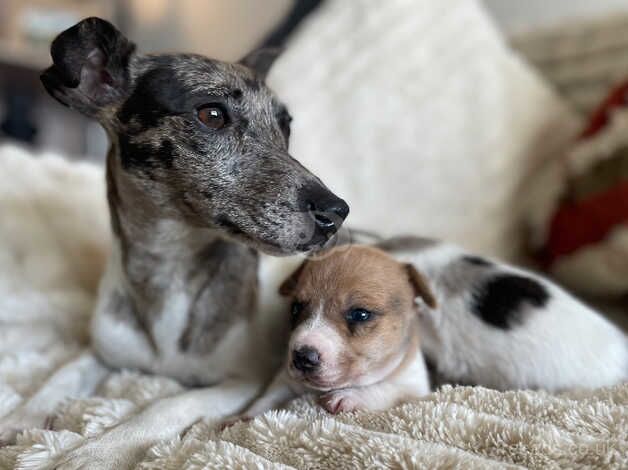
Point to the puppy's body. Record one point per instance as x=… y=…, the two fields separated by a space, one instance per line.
x=479 y=322
x=507 y=328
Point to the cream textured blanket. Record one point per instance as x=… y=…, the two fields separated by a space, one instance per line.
x=444 y=132
x=460 y=427
x=47 y=373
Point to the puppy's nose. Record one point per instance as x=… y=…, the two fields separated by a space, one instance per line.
x=327 y=209
x=306 y=359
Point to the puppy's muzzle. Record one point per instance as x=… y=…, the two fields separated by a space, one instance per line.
x=326 y=209
x=306 y=359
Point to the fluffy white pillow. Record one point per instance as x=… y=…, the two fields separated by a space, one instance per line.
x=421 y=117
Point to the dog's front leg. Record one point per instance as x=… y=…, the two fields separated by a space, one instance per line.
x=277 y=393
x=122 y=446
x=76 y=378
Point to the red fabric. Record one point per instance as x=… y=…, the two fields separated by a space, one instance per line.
x=586 y=222
x=617 y=98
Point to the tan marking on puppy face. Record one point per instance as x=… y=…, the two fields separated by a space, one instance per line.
x=327 y=291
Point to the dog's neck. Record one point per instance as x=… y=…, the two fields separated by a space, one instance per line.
x=152 y=247
x=160 y=258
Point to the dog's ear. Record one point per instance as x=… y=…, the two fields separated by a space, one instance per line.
x=261 y=60
x=420 y=286
x=90 y=66
x=288 y=286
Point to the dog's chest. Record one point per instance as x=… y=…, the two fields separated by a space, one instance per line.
x=176 y=304
x=220 y=290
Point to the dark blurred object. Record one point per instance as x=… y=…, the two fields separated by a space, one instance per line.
x=301 y=9
x=28 y=26
x=18 y=123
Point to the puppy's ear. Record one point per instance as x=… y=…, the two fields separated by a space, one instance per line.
x=90 y=66
x=261 y=60
x=420 y=286
x=288 y=286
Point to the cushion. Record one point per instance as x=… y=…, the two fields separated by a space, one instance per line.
x=419 y=130
x=583 y=233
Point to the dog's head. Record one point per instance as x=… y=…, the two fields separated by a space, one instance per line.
x=353 y=317
x=207 y=138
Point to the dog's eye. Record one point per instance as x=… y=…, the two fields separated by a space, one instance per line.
x=358 y=315
x=284 y=123
x=213 y=116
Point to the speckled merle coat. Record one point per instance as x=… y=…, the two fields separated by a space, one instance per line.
x=199 y=178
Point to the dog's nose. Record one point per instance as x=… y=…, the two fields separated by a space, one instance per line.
x=327 y=209
x=306 y=359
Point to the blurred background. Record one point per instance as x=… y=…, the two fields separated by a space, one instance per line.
x=579 y=66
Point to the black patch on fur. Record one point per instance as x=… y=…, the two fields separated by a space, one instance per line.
x=133 y=155
x=145 y=156
x=146 y=103
x=499 y=302
x=477 y=261
x=165 y=153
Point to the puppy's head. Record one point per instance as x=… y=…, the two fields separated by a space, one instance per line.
x=207 y=140
x=353 y=317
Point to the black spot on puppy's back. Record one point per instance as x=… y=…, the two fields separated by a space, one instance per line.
x=501 y=299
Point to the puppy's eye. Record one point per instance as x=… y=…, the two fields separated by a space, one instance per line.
x=213 y=116
x=358 y=315
x=296 y=309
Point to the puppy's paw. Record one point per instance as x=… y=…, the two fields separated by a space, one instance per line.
x=341 y=400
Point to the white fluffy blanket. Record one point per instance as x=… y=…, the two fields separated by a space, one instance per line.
x=55 y=234
x=442 y=133
x=54 y=237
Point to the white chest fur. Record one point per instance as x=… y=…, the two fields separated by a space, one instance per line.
x=123 y=339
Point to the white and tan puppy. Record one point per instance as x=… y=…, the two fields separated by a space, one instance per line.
x=507 y=328
x=355 y=333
